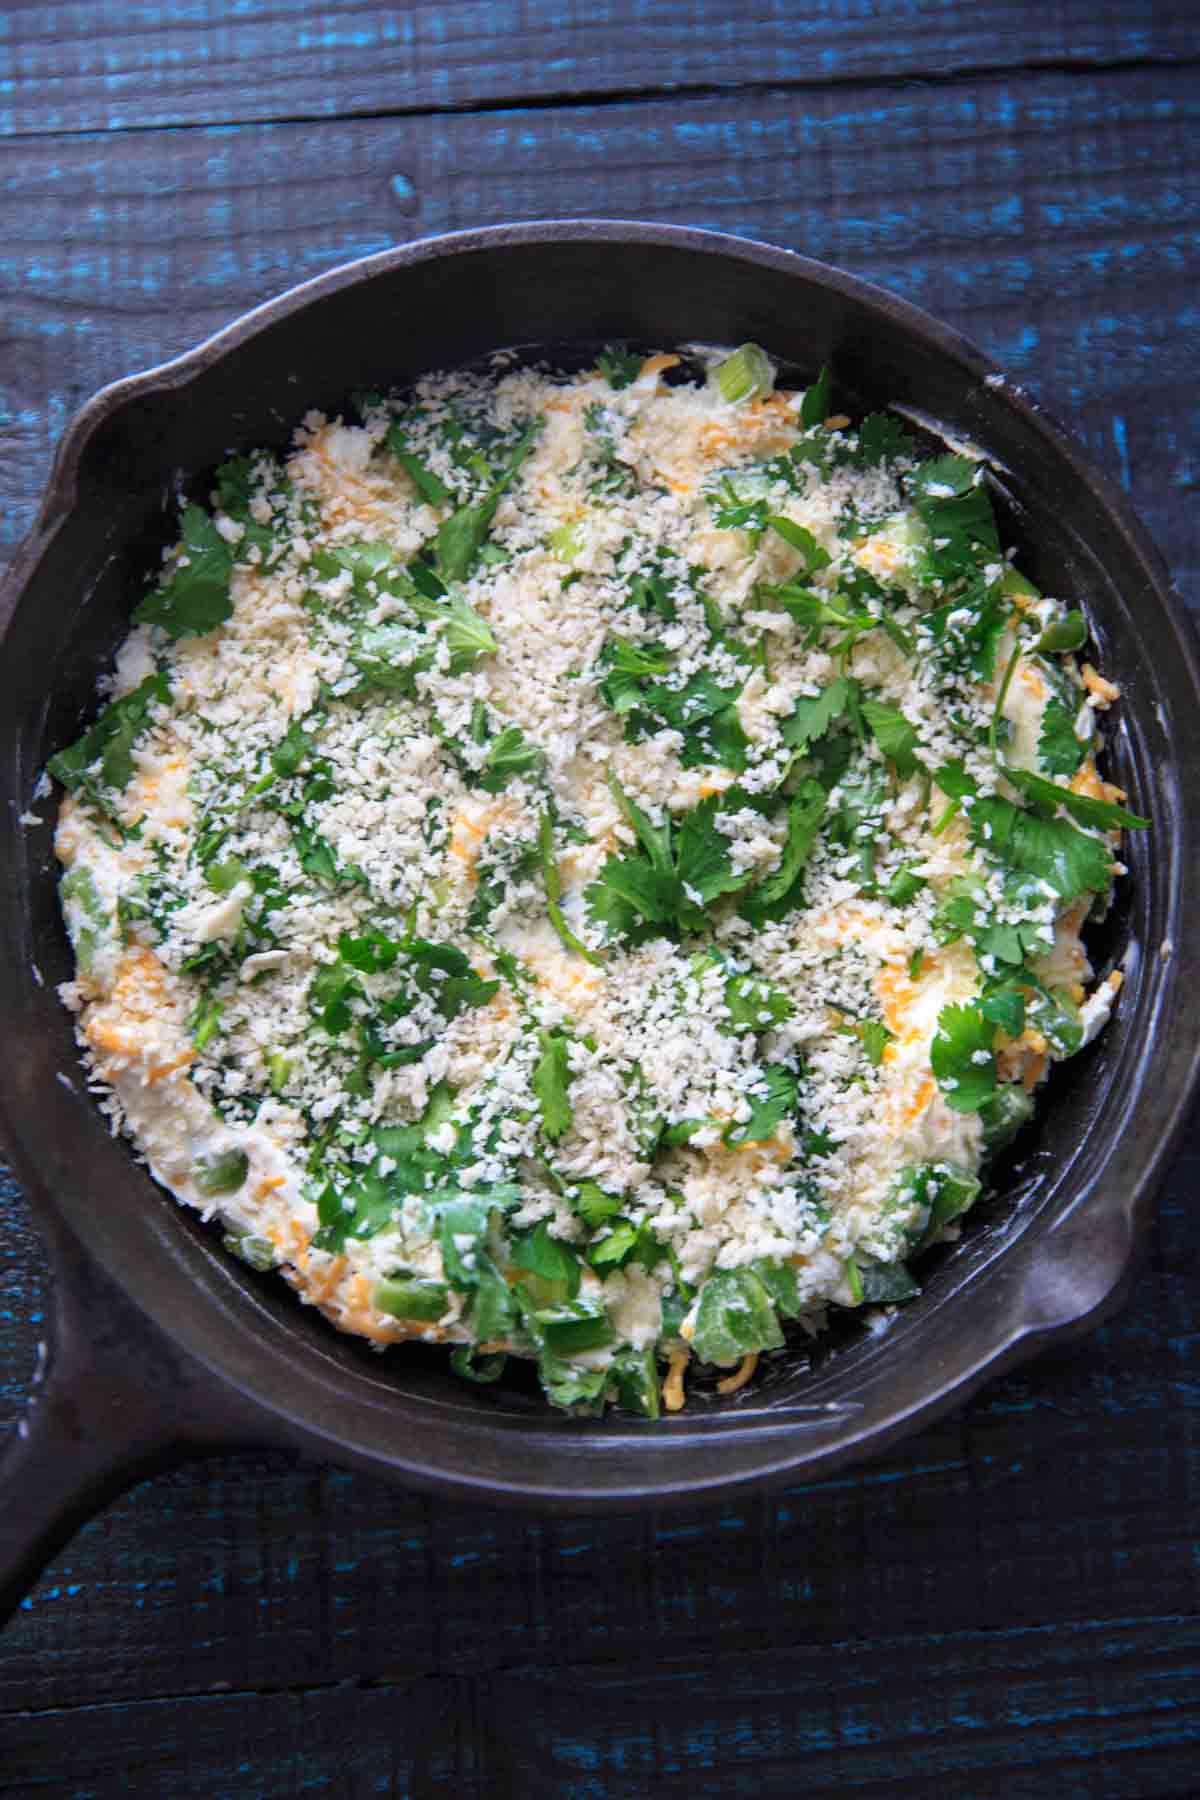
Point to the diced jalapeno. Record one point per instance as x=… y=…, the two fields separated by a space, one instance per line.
x=1005 y=1113
x=574 y=1326
x=259 y=1252
x=406 y=1297
x=885 y=1284
x=222 y=1174
x=636 y=1375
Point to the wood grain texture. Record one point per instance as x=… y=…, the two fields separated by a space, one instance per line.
x=1053 y=219
x=23 y=1298
x=111 y=65
x=994 y=1709
x=1007 y=1605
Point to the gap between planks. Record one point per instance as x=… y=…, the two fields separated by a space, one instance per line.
x=611 y=1676
x=631 y=96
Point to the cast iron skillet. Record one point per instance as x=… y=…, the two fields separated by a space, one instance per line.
x=164 y=1346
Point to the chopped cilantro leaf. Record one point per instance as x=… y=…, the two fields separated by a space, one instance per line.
x=814 y=408
x=1060 y=752
x=1051 y=850
x=445 y=974
x=706 y=714
x=431 y=487
x=109 y=742
x=733 y=511
x=813 y=715
x=679 y=871
x=620 y=368
x=967 y=631
x=651 y=594
x=894 y=735
x=885 y=1284
x=194 y=598
x=755 y=1005
x=389 y=656
x=554 y=1266
x=953 y=779
x=962 y=1057
x=801 y=539
x=610 y=475
x=292 y=750
x=1005 y=1007
x=319 y=859
x=882 y=439
x=816 y=612
x=651 y=893
x=551 y=1079
x=654 y=839
x=594 y=1206
x=508 y=754
x=772 y=1100
x=904 y=886
x=626 y=1243
x=371 y=953
x=463 y=534
x=630 y=666
x=236 y=484
x=571 y=1386
x=875 y=1038
x=1105 y=815
x=703 y=711
x=1054 y=1013
x=467 y=636
x=780 y=893
x=330 y=992
x=702 y=857
x=955 y=507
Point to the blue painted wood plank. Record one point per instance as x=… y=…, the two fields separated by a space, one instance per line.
x=24 y=1299
x=1079 y=1710
x=348 y=1742
x=116 y=66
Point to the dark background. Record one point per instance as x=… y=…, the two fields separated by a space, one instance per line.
x=1009 y=1605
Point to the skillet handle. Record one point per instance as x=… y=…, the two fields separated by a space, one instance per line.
x=113 y=1402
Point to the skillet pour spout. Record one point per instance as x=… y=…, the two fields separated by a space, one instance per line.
x=163 y=1345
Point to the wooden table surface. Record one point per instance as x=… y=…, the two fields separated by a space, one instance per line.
x=1007 y=1605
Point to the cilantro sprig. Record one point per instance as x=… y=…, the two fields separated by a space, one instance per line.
x=1051 y=850
x=1060 y=751
x=962 y=1057
x=620 y=367
x=462 y=536
x=99 y=765
x=194 y=597
x=675 y=873
x=642 y=690
x=551 y=1081
x=950 y=498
